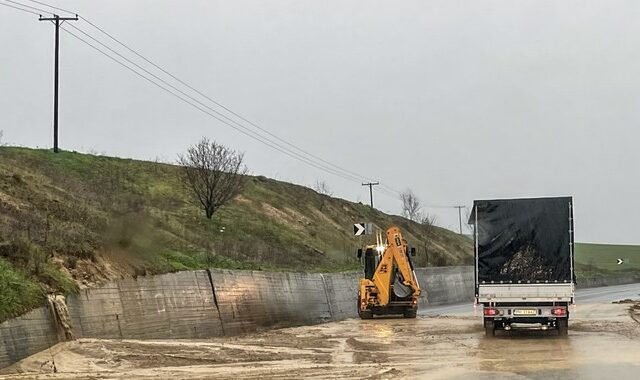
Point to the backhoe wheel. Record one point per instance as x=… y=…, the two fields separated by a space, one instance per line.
x=411 y=313
x=489 y=329
x=562 y=325
x=365 y=314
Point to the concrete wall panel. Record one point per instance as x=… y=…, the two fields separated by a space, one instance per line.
x=599 y=281
x=175 y=305
x=26 y=335
x=96 y=313
x=442 y=285
x=342 y=293
x=251 y=300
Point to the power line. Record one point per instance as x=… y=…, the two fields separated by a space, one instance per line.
x=385 y=189
x=20 y=9
x=389 y=188
x=299 y=149
x=354 y=175
x=27 y=6
x=203 y=109
x=353 y=178
x=299 y=153
x=52 y=7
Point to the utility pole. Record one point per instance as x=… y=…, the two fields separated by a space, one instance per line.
x=460 y=216
x=57 y=21
x=371 y=185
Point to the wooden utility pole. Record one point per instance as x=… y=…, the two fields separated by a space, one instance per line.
x=371 y=185
x=57 y=21
x=460 y=216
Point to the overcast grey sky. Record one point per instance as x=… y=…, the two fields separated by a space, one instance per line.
x=458 y=100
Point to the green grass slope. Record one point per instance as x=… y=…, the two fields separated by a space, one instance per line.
x=601 y=260
x=70 y=220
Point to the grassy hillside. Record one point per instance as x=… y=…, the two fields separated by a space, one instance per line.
x=601 y=259
x=71 y=220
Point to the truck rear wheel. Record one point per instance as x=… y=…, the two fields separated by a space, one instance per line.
x=562 y=325
x=489 y=329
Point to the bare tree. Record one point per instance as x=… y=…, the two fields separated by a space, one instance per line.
x=322 y=188
x=2 y=143
x=410 y=205
x=428 y=220
x=467 y=216
x=214 y=174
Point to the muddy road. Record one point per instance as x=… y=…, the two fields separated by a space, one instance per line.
x=603 y=342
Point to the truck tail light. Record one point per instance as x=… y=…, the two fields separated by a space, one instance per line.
x=363 y=305
x=491 y=311
x=561 y=311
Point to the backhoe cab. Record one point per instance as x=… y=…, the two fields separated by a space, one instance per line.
x=389 y=285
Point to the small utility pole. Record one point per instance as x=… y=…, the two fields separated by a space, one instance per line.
x=460 y=216
x=57 y=21
x=371 y=185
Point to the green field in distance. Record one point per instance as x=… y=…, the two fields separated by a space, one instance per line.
x=603 y=258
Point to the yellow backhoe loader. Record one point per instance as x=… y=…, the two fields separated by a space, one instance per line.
x=389 y=285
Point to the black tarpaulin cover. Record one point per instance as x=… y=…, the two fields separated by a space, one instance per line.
x=524 y=240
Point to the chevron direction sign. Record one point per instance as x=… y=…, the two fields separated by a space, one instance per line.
x=360 y=229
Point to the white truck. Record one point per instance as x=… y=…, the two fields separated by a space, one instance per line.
x=524 y=262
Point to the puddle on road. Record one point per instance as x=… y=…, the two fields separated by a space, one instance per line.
x=546 y=357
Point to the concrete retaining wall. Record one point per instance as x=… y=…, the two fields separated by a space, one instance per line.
x=342 y=290
x=595 y=282
x=176 y=305
x=250 y=300
x=26 y=335
x=201 y=304
x=442 y=285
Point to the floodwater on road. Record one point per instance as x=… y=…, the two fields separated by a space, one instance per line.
x=603 y=343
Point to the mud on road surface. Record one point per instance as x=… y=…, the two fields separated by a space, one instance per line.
x=603 y=342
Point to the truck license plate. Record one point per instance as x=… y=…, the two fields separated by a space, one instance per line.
x=525 y=312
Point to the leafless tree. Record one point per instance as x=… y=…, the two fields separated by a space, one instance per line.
x=322 y=188
x=214 y=174
x=467 y=216
x=428 y=220
x=410 y=205
x=2 y=143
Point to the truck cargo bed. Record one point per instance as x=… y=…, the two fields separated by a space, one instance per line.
x=525 y=292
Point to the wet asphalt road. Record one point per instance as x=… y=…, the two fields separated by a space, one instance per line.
x=444 y=342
